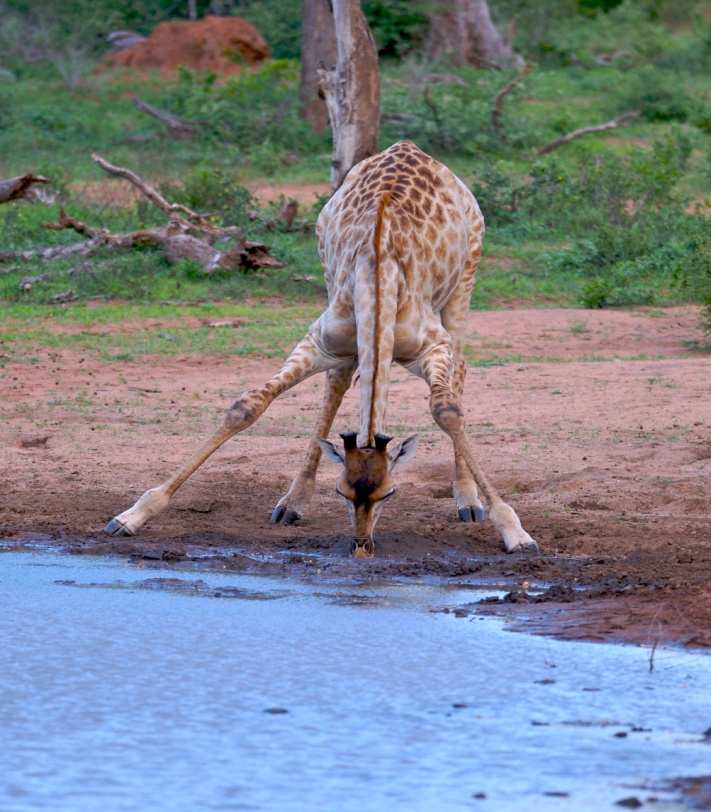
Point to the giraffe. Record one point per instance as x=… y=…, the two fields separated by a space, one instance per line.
x=400 y=241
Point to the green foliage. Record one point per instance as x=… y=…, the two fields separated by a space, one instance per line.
x=278 y=21
x=632 y=241
x=658 y=96
x=68 y=36
x=250 y=110
x=398 y=26
x=602 y=220
x=212 y=191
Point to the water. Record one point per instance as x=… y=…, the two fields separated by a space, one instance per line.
x=138 y=696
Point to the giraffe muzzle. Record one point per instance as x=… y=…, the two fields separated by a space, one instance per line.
x=363 y=548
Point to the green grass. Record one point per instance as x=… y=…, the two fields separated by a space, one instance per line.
x=537 y=256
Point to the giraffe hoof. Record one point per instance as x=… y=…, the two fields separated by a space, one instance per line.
x=465 y=515
x=527 y=548
x=117 y=528
x=277 y=513
x=472 y=514
x=282 y=515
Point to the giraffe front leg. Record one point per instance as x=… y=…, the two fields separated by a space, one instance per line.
x=305 y=360
x=466 y=493
x=464 y=489
x=293 y=505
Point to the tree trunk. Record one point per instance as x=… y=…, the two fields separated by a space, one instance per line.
x=318 y=48
x=352 y=91
x=463 y=32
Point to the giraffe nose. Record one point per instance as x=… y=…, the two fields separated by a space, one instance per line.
x=363 y=548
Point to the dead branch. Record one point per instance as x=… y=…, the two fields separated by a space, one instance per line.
x=174 y=239
x=20 y=187
x=187 y=235
x=65 y=221
x=497 y=108
x=178 y=127
x=173 y=210
x=443 y=78
x=597 y=128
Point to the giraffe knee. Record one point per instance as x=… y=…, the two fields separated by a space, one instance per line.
x=447 y=415
x=245 y=410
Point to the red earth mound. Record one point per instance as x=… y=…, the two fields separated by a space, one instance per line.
x=219 y=44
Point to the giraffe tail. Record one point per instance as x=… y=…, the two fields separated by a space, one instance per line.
x=375 y=300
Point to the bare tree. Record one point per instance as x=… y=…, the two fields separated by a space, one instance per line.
x=463 y=32
x=318 y=47
x=352 y=90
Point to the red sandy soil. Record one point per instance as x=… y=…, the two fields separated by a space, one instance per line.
x=598 y=436
x=122 y=194
x=218 y=44
x=305 y=194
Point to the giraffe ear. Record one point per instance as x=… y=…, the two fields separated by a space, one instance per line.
x=331 y=452
x=404 y=452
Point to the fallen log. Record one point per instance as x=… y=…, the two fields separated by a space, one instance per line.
x=174 y=239
x=187 y=235
x=19 y=187
x=596 y=128
x=178 y=127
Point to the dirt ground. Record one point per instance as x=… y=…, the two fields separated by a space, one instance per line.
x=594 y=425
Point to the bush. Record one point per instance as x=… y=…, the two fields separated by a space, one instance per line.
x=249 y=109
x=659 y=96
x=211 y=191
x=398 y=26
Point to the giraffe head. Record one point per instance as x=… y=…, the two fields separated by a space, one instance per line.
x=366 y=482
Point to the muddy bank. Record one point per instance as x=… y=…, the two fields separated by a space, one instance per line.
x=606 y=459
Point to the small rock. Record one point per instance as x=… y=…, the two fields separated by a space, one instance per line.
x=621 y=734
x=459 y=705
x=545 y=681
x=479 y=796
x=557 y=794
x=28 y=282
x=34 y=442
x=276 y=711
x=629 y=803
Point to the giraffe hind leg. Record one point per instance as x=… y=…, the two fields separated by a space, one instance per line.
x=294 y=503
x=305 y=360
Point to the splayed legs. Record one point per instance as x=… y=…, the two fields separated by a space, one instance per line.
x=305 y=360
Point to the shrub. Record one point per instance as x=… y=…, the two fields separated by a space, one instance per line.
x=211 y=191
x=248 y=109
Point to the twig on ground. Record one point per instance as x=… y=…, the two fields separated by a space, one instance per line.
x=571 y=136
x=173 y=210
x=444 y=78
x=497 y=107
x=65 y=221
x=177 y=127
